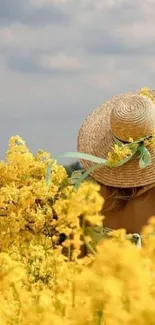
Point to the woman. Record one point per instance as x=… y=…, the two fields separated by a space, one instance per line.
x=121 y=132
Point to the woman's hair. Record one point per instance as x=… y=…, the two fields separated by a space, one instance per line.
x=117 y=198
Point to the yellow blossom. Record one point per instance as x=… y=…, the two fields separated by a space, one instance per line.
x=43 y=230
x=131 y=140
x=118 y=153
x=147 y=93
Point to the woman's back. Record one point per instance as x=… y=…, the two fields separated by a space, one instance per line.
x=134 y=215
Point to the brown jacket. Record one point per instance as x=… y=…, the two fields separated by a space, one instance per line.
x=134 y=216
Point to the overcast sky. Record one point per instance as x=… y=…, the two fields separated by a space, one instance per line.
x=59 y=59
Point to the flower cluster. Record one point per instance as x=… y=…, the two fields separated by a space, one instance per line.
x=123 y=151
x=119 y=152
x=43 y=279
x=146 y=92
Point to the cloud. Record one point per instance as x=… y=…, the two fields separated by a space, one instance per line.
x=42 y=63
x=118 y=27
x=23 y=61
x=60 y=62
x=81 y=53
x=104 y=42
x=39 y=3
x=25 y=13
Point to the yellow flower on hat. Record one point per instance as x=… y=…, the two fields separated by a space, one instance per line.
x=118 y=153
x=147 y=93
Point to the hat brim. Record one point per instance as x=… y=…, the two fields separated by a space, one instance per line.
x=95 y=138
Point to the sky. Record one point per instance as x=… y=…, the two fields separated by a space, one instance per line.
x=60 y=59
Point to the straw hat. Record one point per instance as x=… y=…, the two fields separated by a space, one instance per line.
x=131 y=115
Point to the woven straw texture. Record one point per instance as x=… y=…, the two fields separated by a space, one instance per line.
x=125 y=116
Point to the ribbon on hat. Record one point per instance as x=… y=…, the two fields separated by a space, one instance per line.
x=129 y=149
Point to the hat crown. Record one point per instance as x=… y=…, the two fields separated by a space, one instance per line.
x=132 y=116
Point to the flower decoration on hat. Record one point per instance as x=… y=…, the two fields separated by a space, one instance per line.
x=148 y=93
x=121 y=152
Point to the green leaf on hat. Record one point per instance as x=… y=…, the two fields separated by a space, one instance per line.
x=77 y=178
x=84 y=156
x=100 y=161
x=145 y=157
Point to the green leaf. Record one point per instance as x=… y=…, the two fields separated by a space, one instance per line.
x=48 y=172
x=77 y=173
x=145 y=157
x=98 y=160
x=84 y=176
x=98 y=163
x=106 y=163
x=84 y=156
x=75 y=176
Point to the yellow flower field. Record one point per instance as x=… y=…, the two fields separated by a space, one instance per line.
x=44 y=280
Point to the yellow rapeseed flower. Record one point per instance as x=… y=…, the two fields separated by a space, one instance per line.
x=43 y=230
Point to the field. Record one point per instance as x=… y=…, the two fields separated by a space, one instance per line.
x=43 y=279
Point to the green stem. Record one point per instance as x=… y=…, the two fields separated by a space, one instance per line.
x=88 y=245
x=100 y=316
